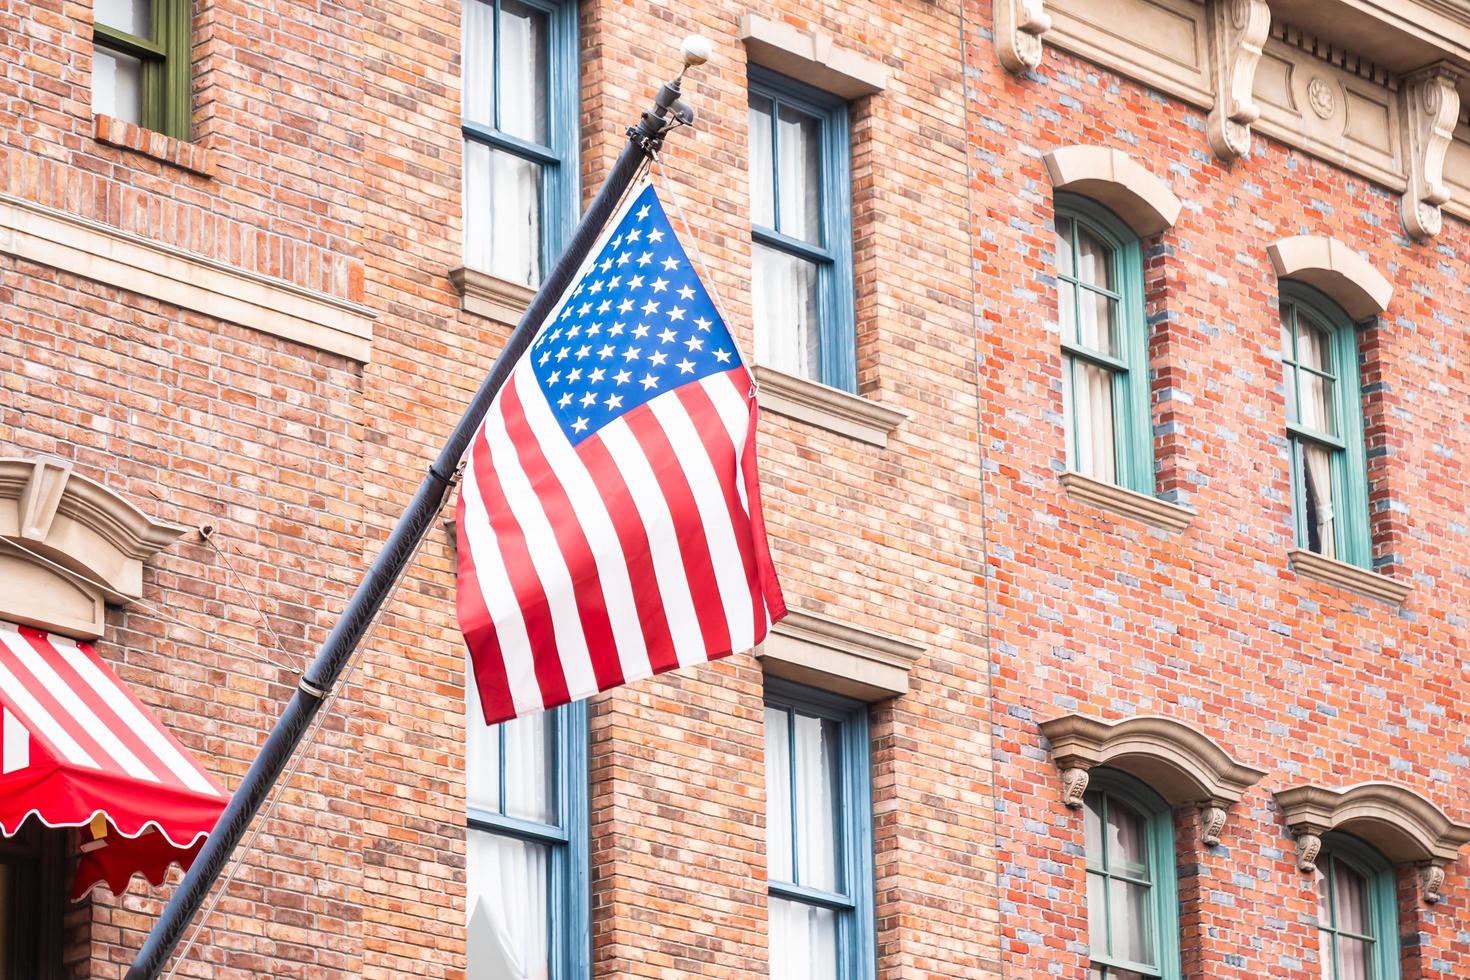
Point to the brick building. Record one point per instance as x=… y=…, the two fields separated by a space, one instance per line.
x=1108 y=353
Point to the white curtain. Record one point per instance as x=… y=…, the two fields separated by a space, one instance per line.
x=1092 y=419
x=502 y=219
x=816 y=802
x=803 y=941
x=801 y=176
x=530 y=772
x=508 y=921
x=778 y=795
x=477 y=60
x=1317 y=468
x=481 y=750
x=784 y=297
x=762 y=169
x=523 y=69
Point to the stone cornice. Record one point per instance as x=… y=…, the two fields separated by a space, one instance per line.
x=490 y=296
x=837 y=656
x=1118 y=182
x=825 y=407
x=810 y=56
x=1333 y=268
x=1314 y=566
x=1130 y=503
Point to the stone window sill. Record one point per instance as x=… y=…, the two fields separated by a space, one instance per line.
x=165 y=149
x=1139 y=506
x=835 y=656
x=825 y=407
x=810 y=57
x=490 y=296
x=1314 y=566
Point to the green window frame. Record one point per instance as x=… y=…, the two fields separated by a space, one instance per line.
x=1118 y=366
x=165 y=55
x=1326 y=427
x=1340 y=852
x=497 y=132
x=562 y=834
x=830 y=250
x=848 y=897
x=1107 y=876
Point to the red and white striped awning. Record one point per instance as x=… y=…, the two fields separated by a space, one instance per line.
x=77 y=749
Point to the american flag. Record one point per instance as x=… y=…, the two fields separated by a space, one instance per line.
x=609 y=524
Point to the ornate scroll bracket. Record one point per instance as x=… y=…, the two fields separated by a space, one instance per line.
x=1430 y=106
x=1211 y=823
x=1308 y=846
x=1431 y=882
x=1019 y=25
x=1238 y=30
x=1074 y=787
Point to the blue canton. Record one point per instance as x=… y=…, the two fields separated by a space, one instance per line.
x=638 y=324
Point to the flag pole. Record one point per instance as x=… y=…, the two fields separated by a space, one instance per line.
x=644 y=141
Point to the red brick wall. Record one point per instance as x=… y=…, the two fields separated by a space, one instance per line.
x=1098 y=614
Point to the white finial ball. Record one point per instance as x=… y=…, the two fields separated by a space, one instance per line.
x=695 y=49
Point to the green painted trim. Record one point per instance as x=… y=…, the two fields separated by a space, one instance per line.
x=1382 y=898
x=1133 y=436
x=1164 y=890
x=167 y=98
x=1352 y=531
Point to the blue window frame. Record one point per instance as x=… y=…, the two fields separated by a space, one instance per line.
x=1132 y=886
x=801 y=230
x=819 y=834
x=520 y=122
x=526 y=864
x=1105 y=386
x=1357 y=911
x=1324 y=423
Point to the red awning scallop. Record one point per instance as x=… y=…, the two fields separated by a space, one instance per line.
x=77 y=749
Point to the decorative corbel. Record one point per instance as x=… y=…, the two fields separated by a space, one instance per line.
x=1308 y=846
x=1074 y=786
x=1238 y=29
x=1431 y=882
x=1019 y=25
x=1430 y=106
x=1211 y=823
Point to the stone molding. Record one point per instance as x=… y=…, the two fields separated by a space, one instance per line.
x=835 y=656
x=1184 y=766
x=180 y=278
x=1334 y=269
x=1238 y=30
x=825 y=407
x=1431 y=109
x=1118 y=182
x=1405 y=827
x=100 y=538
x=1306 y=84
x=811 y=57
x=1019 y=25
x=491 y=296
x=1311 y=565
x=1130 y=503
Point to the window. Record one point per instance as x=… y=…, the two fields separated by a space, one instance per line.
x=801 y=210
x=819 y=835
x=1324 y=420
x=526 y=846
x=1132 y=901
x=140 y=63
x=1357 y=921
x=31 y=872
x=520 y=124
x=1105 y=391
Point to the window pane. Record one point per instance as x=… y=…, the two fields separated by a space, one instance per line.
x=1352 y=900
x=481 y=750
x=803 y=941
x=1324 y=953
x=1096 y=316
x=784 y=297
x=507 y=885
x=778 y=794
x=502 y=219
x=478 y=80
x=132 y=16
x=1131 y=933
x=530 y=767
x=1127 y=840
x=1324 y=907
x=762 y=167
x=1064 y=247
x=1094 y=260
x=1314 y=395
x=1288 y=353
x=525 y=34
x=799 y=185
x=1312 y=344
x=117 y=85
x=818 y=788
x=1067 y=310
x=1097 y=914
x=1317 y=518
x=1353 y=959
x=1092 y=421
x=1092 y=829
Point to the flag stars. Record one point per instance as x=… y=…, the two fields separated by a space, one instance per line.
x=685 y=366
x=702 y=324
x=574 y=375
x=632 y=353
x=622 y=377
x=596 y=376
x=561 y=355
x=606 y=265
x=657 y=358
x=643 y=212
x=580 y=425
x=645 y=258
x=554 y=378
x=648 y=381
x=594 y=330
x=596 y=287
x=671 y=263
x=650 y=307
x=685 y=293
x=626 y=306
x=660 y=284
x=606 y=351
x=722 y=356
x=564 y=401
x=694 y=344
x=668 y=336
x=633 y=235
x=656 y=236
x=588 y=400
x=604 y=306
x=677 y=313
x=617 y=328
x=583 y=351
x=640 y=331
x=545 y=356
x=635 y=283
x=623 y=258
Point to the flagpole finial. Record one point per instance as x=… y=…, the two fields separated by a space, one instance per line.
x=696 y=49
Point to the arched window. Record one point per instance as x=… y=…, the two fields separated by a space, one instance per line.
x=1105 y=387
x=1357 y=917
x=1324 y=421
x=1132 y=895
